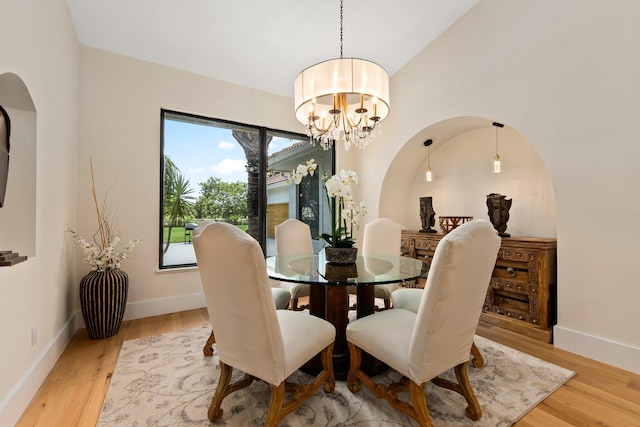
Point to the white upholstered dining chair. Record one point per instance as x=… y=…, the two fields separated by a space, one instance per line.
x=381 y=236
x=281 y=297
x=294 y=237
x=424 y=344
x=251 y=335
x=409 y=299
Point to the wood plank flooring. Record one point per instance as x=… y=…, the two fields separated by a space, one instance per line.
x=72 y=394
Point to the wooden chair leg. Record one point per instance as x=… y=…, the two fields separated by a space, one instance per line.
x=416 y=409
x=473 y=411
x=354 y=365
x=215 y=412
x=278 y=408
x=208 y=346
x=293 y=304
x=477 y=360
x=387 y=303
x=224 y=389
x=326 y=358
x=275 y=405
x=420 y=410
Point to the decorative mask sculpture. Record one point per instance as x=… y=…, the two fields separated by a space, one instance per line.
x=499 y=206
x=427 y=215
x=5 y=133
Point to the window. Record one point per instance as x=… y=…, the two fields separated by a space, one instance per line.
x=223 y=171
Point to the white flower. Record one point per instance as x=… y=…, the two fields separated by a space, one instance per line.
x=311 y=166
x=104 y=258
x=340 y=197
x=301 y=171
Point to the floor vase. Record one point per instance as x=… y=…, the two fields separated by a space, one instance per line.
x=103 y=298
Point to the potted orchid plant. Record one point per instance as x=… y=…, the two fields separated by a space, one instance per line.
x=344 y=210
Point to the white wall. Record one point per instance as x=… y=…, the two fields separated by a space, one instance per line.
x=278 y=193
x=119 y=127
x=39 y=46
x=18 y=215
x=463 y=176
x=565 y=76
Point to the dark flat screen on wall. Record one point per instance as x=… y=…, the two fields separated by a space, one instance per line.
x=5 y=133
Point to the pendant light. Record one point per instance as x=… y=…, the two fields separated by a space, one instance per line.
x=428 y=176
x=343 y=99
x=497 y=164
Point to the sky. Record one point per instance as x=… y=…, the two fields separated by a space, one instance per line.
x=202 y=151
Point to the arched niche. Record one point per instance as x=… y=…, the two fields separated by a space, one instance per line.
x=18 y=214
x=461 y=159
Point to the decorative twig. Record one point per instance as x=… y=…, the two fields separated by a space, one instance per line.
x=103 y=238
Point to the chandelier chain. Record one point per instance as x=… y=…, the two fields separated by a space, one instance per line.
x=340 y=29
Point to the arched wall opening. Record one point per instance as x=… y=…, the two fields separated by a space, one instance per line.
x=18 y=214
x=461 y=160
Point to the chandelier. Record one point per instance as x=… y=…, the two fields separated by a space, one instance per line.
x=342 y=99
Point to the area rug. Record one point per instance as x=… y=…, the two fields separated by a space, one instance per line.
x=165 y=380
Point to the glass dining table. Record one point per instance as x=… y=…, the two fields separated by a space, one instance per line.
x=329 y=295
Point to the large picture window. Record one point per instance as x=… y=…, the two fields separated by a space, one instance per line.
x=217 y=170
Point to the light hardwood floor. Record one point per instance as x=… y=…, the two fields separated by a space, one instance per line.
x=72 y=394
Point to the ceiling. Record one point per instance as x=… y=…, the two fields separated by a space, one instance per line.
x=263 y=44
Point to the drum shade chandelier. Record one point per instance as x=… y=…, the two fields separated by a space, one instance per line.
x=342 y=99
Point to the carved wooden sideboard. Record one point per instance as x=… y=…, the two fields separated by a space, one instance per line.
x=521 y=296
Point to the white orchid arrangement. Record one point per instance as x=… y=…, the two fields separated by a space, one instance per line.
x=345 y=212
x=101 y=255
x=103 y=258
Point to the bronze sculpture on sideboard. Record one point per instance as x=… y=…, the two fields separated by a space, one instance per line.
x=427 y=215
x=498 y=210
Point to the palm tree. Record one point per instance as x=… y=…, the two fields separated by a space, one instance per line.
x=250 y=143
x=178 y=201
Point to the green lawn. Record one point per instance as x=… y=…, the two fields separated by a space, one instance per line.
x=177 y=233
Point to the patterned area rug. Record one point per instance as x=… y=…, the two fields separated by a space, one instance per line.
x=165 y=380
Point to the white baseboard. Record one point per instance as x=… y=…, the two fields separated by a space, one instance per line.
x=16 y=402
x=612 y=353
x=156 y=307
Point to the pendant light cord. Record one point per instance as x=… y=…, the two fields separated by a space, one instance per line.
x=341 y=29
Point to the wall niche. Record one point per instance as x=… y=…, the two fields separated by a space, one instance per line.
x=18 y=213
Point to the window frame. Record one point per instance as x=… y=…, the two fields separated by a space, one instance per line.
x=263 y=157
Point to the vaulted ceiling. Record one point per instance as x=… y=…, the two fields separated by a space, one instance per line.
x=263 y=44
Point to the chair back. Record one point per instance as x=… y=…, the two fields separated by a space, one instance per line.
x=201 y=225
x=293 y=237
x=240 y=301
x=452 y=300
x=382 y=236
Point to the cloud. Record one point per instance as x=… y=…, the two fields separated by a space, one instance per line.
x=196 y=170
x=229 y=166
x=224 y=145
